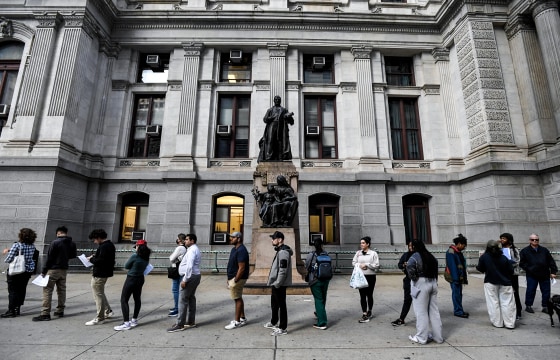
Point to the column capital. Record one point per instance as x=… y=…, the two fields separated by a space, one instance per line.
x=76 y=20
x=192 y=48
x=6 y=28
x=539 y=6
x=361 y=51
x=48 y=20
x=277 y=49
x=517 y=24
x=440 y=54
x=109 y=48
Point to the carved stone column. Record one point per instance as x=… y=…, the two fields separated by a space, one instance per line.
x=547 y=21
x=364 y=86
x=488 y=117
x=189 y=88
x=277 y=53
x=111 y=51
x=441 y=55
x=536 y=103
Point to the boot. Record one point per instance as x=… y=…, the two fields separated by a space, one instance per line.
x=8 y=314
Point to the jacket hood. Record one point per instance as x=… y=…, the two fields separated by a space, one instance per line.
x=287 y=248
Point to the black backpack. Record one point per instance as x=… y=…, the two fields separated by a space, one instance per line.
x=322 y=269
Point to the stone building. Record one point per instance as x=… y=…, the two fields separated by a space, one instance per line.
x=413 y=118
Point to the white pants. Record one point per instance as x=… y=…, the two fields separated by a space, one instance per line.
x=426 y=310
x=501 y=305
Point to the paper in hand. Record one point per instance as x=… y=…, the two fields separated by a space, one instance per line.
x=85 y=260
x=41 y=281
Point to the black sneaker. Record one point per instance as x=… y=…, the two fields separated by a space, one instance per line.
x=364 y=319
x=530 y=310
x=42 y=318
x=397 y=322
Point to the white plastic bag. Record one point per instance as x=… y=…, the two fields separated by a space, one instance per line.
x=358 y=279
x=17 y=266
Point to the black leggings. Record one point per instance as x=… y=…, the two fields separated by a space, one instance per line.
x=132 y=286
x=366 y=294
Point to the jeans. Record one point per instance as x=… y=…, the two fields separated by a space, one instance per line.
x=278 y=304
x=319 y=291
x=56 y=277
x=101 y=303
x=531 y=291
x=175 y=287
x=188 y=301
x=457 y=298
x=132 y=286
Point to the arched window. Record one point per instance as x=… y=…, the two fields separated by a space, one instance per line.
x=323 y=218
x=134 y=216
x=228 y=217
x=416 y=216
x=10 y=58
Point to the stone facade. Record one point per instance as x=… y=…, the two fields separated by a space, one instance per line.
x=485 y=89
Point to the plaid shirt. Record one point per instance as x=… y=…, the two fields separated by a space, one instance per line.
x=27 y=250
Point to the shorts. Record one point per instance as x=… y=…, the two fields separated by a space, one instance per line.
x=236 y=289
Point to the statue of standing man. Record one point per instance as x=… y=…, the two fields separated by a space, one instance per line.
x=275 y=143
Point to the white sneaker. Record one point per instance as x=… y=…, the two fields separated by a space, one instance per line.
x=108 y=314
x=123 y=326
x=243 y=321
x=233 y=325
x=270 y=325
x=133 y=322
x=94 y=322
x=278 y=332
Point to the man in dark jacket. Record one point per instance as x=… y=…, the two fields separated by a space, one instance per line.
x=539 y=267
x=60 y=251
x=457 y=276
x=103 y=264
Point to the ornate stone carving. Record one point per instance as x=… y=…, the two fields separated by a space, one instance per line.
x=540 y=6
x=361 y=51
x=192 y=48
x=348 y=87
x=109 y=48
x=48 y=20
x=440 y=54
x=6 y=28
x=517 y=24
x=277 y=49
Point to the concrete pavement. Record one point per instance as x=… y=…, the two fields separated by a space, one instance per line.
x=69 y=338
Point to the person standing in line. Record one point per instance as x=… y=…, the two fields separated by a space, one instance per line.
x=318 y=287
x=136 y=266
x=175 y=259
x=509 y=249
x=103 y=265
x=279 y=278
x=190 y=273
x=237 y=275
x=17 y=284
x=498 y=291
x=406 y=286
x=457 y=265
x=61 y=250
x=422 y=268
x=539 y=268
x=368 y=261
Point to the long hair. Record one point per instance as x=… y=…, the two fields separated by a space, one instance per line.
x=144 y=252
x=318 y=243
x=27 y=236
x=509 y=238
x=429 y=262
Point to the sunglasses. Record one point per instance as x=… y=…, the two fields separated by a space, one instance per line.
x=534 y=239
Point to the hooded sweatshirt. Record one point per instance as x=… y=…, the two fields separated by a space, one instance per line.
x=281 y=270
x=60 y=251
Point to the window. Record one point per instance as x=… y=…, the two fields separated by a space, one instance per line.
x=228 y=217
x=416 y=218
x=323 y=217
x=10 y=58
x=236 y=67
x=153 y=68
x=320 y=127
x=399 y=71
x=318 y=69
x=405 y=129
x=147 y=125
x=232 y=130
x=134 y=216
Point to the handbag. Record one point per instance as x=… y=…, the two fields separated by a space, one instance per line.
x=17 y=266
x=358 y=279
x=173 y=272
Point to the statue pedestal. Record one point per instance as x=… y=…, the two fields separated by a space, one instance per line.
x=262 y=251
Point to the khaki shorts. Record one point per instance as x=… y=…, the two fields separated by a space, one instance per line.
x=236 y=289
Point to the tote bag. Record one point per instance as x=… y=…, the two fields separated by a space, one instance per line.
x=17 y=266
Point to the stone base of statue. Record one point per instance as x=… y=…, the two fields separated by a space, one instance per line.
x=262 y=251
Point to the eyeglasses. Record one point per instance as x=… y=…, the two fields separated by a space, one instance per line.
x=534 y=239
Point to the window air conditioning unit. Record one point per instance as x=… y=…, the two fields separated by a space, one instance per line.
x=223 y=130
x=313 y=237
x=312 y=130
x=138 y=235
x=236 y=55
x=153 y=61
x=4 y=110
x=318 y=62
x=220 y=238
x=153 y=130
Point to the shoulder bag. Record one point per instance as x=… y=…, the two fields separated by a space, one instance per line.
x=17 y=266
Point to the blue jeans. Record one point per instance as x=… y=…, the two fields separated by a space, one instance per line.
x=175 y=287
x=531 y=291
x=457 y=297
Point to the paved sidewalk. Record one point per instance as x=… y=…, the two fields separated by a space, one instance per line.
x=69 y=338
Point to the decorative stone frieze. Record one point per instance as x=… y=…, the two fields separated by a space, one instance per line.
x=348 y=87
x=431 y=89
x=174 y=85
x=6 y=28
x=361 y=52
x=48 y=20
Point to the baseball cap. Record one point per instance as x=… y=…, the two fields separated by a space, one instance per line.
x=277 y=234
x=236 y=234
x=140 y=242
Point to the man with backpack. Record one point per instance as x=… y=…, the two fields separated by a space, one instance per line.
x=319 y=273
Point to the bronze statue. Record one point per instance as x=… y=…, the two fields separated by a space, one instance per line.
x=275 y=143
x=278 y=205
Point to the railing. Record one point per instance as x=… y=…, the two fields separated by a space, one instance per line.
x=216 y=261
